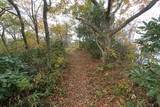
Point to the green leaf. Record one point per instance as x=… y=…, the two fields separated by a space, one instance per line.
x=142 y=27
x=155 y=19
x=145 y=23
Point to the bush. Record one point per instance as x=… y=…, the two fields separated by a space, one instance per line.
x=25 y=77
x=92 y=48
x=14 y=77
x=148 y=76
x=11 y=64
x=122 y=55
x=39 y=58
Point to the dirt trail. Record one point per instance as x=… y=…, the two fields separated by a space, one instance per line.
x=77 y=81
x=87 y=87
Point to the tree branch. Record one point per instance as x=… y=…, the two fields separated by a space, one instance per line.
x=119 y=5
x=38 y=8
x=6 y=10
x=2 y=12
x=90 y=25
x=149 y=6
x=99 y=46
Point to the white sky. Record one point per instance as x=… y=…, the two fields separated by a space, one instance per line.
x=153 y=12
x=147 y=16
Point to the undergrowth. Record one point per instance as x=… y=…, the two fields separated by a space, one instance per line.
x=28 y=77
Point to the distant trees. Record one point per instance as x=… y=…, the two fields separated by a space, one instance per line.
x=61 y=32
x=4 y=39
x=10 y=26
x=32 y=8
x=30 y=18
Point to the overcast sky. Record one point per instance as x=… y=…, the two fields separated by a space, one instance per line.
x=147 y=16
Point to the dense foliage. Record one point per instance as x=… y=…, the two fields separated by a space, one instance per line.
x=150 y=41
x=147 y=75
x=26 y=76
x=91 y=47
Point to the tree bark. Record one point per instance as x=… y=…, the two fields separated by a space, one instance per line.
x=21 y=22
x=107 y=48
x=45 y=11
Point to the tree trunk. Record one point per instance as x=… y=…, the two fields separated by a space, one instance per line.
x=36 y=31
x=45 y=10
x=104 y=57
x=106 y=49
x=21 y=22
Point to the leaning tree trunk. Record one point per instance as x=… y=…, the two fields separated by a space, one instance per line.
x=21 y=22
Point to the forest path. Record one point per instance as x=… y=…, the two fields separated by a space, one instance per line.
x=85 y=86
x=76 y=79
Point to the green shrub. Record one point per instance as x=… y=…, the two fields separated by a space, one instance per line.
x=91 y=46
x=150 y=32
x=148 y=77
x=25 y=78
x=39 y=58
x=15 y=77
x=9 y=63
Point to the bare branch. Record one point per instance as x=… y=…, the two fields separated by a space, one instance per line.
x=6 y=10
x=119 y=5
x=38 y=8
x=150 y=5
